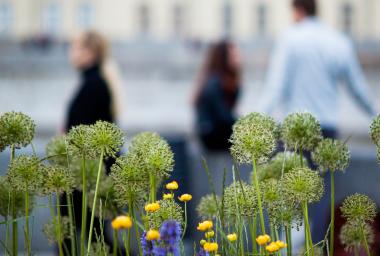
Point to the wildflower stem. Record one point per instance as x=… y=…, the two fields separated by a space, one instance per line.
x=27 y=239
x=73 y=243
x=84 y=206
x=59 y=238
x=14 y=214
x=94 y=203
x=308 y=238
x=185 y=224
x=115 y=242
x=288 y=235
x=332 y=213
x=152 y=181
x=252 y=227
x=256 y=183
x=126 y=244
x=366 y=247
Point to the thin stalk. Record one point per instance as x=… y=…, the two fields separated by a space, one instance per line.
x=14 y=214
x=94 y=203
x=356 y=251
x=126 y=244
x=252 y=230
x=72 y=225
x=59 y=231
x=84 y=207
x=288 y=235
x=258 y=192
x=115 y=242
x=152 y=181
x=27 y=239
x=309 y=240
x=366 y=247
x=185 y=225
x=332 y=213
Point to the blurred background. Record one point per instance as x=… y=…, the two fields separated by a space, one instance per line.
x=159 y=47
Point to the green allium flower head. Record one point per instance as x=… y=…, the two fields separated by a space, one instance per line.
x=105 y=137
x=50 y=229
x=6 y=194
x=240 y=198
x=280 y=164
x=153 y=154
x=351 y=235
x=331 y=155
x=57 y=179
x=25 y=173
x=303 y=185
x=131 y=184
x=169 y=210
x=375 y=130
x=359 y=208
x=207 y=207
x=107 y=202
x=16 y=129
x=301 y=130
x=99 y=248
x=57 y=150
x=253 y=137
x=78 y=140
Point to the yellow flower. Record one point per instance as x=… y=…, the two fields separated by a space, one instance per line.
x=152 y=235
x=168 y=196
x=210 y=247
x=205 y=225
x=202 y=242
x=122 y=222
x=232 y=237
x=185 y=198
x=209 y=234
x=263 y=239
x=172 y=185
x=272 y=247
x=152 y=207
x=281 y=244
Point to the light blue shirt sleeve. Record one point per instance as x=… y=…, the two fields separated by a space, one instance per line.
x=356 y=82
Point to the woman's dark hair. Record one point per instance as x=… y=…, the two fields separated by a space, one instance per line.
x=309 y=6
x=218 y=62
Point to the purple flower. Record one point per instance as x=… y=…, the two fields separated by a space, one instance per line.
x=170 y=232
x=202 y=253
x=146 y=245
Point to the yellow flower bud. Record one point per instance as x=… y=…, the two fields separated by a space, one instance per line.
x=232 y=237
x=152 y=235
x=272 y=247
x=202 y=242
x=152 y=207
x=185 y=198
x=172 y=185
x=205 y=225
x=209 y=234
x=263 y=239
x=122 y=222
x=168 y=196
x=210 y=247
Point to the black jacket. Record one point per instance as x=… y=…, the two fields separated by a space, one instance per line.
x=92 y=101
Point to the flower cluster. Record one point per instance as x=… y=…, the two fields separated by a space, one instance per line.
x=51 y=231
x=351 y=236
x=331 y=155
x=240 y=199
x=6 y=194
x=168 y=210
x=207 y=207
x=57 y=151
x=57 y=180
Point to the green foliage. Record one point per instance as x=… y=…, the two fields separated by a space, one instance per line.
x=6 y=194
x=331 y=155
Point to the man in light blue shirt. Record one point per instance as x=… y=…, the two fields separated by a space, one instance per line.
x=307 y=65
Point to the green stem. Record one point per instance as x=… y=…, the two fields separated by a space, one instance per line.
x=366 y=247
x=309 y=240
x=94 y=203
x=252 y=227
x=115 y=242
x=356 y=251
x=258 y=192
x=84 y=207
x=27 y=239
x=152 y=181
x=288 y=235
x=126 y=243
x=72 y=224
x=185 y=225
x=332 y=213
x=14 y=214
x=59 y=231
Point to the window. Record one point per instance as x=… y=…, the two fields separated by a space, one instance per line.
x=85 y=15
x=347 y=18
x=144 y=19
x=51 y=19
x=5 y=18
x=261 y=19
x=177 y=19
x=227 y=19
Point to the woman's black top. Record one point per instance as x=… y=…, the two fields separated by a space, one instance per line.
x=214 y=114
x=92 y=101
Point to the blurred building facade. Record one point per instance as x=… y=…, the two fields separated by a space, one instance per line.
x=163 y=20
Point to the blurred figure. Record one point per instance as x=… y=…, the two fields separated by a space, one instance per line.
x=96 y=98
x=306 y=67
x=216 y=96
